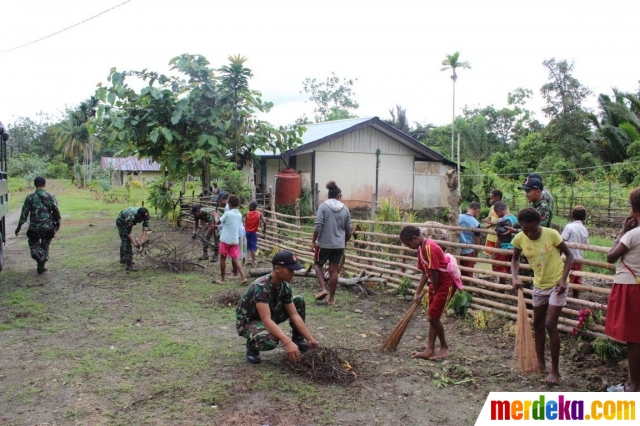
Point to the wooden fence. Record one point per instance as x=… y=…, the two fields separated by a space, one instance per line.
x=375 y=249
x=601 y=211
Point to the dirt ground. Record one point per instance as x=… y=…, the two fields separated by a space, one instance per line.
x=87 y=343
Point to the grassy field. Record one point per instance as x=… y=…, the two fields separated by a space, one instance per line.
x=90 y=344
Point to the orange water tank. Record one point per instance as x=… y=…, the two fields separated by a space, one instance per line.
x=287 y=187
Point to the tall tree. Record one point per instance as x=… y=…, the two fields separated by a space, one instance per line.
x=33 y=136
x=452 y=62
x=73 y=137
x=185 y=122
x=334 y=98
x=505 y=125
x=399 y=119
x=568 y=130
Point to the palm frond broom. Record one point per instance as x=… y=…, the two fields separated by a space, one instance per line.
x=525 y=349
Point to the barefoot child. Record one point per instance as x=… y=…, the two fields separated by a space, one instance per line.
x=575 y=232
x=251 y=225
x=543 y=247
x=229 y=240
x=433 y=264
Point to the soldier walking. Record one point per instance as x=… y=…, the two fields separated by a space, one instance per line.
x=125 y=222
x=41 y=208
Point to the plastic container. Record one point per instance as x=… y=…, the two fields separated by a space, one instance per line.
x=287 y=187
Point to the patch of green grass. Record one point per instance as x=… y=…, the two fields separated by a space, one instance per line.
x=215 y=393
x=25 y=395
x=23 y=311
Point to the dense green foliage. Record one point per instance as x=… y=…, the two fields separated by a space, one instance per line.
x=199 y=117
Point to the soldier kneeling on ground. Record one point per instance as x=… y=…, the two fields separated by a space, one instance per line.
x=267 y=302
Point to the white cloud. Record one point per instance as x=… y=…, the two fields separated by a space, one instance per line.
x=394 y=49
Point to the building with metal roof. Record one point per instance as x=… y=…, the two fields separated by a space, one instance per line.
x=369 y=159
x=142 y=169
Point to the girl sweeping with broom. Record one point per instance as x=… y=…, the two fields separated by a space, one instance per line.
x=543 y=246
x=434 y=265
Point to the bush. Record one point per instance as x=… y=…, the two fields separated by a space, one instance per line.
x=57 y=169
x=460 y=303
x=230 y=179
x=160 y=196
x=26 y=165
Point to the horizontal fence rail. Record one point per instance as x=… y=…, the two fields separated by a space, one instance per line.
x=381 y=254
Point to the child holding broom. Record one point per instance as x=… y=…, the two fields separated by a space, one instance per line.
x=543 y=246
x=433 y=264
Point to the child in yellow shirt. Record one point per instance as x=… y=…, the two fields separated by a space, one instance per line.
x=543 y=248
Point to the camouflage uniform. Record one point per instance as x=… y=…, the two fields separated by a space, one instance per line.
x=207 y=216
x=248 y=324
x=125 y=222
x=546 y=213
x=44 y=220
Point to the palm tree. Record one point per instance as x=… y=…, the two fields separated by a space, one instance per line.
x=452 y=62
x=70 y=137
x=618 y=125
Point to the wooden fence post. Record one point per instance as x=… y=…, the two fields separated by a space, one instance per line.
x=273 y=215
x=372 y=212
x=298 y=218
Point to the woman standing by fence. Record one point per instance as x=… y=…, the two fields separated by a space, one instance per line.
x=622 y=317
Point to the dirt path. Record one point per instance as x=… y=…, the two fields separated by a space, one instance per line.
x=87 y=343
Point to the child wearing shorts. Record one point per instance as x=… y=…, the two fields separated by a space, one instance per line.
x=251 y=224
x=433 y=264
x=229 y=240
x=575 y=232
x=543 y=248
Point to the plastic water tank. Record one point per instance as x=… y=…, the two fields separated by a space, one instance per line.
x=287 y=187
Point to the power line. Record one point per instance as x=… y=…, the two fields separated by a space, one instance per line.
x=65 y=29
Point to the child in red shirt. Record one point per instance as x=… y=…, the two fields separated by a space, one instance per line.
x=251 y=224
x=433 y=264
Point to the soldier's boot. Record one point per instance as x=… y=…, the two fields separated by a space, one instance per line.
x=253 y=354
x=214 y=258
x=123 y=261
x=130 y=266
x=41 y=268
x=297 y=338
x=205 y=254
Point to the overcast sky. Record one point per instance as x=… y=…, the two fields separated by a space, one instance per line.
x=393 y=48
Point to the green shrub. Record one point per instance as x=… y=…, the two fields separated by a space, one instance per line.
x=460 y=303
x=606 y=349
x=160 y=196
x=27 y=166
x=404 y=287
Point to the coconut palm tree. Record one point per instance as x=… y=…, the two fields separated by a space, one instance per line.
x=453 y=62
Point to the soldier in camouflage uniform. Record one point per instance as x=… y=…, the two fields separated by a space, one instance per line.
x=533 y=188
x=125 y=222
x=539 y=199
x=209 y=217
x=44 y=221
x=546 y=195
x=267 y=302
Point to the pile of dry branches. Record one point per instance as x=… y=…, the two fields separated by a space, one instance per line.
x=163 y=254
x=323 y=365
x=229 y=297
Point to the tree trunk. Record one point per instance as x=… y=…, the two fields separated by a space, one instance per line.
x=252 y=181
x=206 y=175
x=454 y=200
